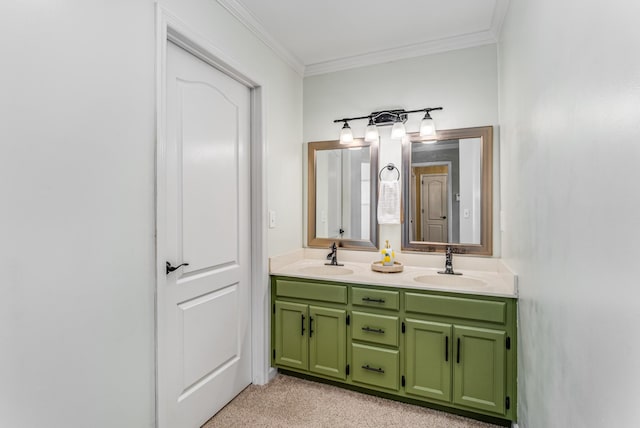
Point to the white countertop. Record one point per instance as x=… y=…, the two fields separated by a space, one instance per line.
x=492 y=278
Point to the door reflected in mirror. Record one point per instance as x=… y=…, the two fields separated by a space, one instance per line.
x=448 y=191
x=447 y=182
x=342 y=194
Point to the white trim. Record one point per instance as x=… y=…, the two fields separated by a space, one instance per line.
x=272 y=373
x=489 y=36
x=499 y=14
x=246 y=18
x=261 y=319
x=168 y=27
x=402 y=52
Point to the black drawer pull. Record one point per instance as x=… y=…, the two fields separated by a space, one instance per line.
x=373 y=330
x=446 y=348
x=310 y=326
x=373 y=369
x=369 y=299
x=302 y=324
x=458 y=353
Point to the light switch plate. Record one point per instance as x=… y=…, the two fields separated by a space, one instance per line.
x=272 y=219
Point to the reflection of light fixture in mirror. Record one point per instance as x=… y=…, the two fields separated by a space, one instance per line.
x=398 y=131
x=346 y=136
x=427 y=126
x=371 y=133
x=397 y=118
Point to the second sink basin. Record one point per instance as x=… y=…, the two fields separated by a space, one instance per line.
x=326 y=270
x=453 y=280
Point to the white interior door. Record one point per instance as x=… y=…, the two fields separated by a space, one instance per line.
x=434 y=207
x=204 y=335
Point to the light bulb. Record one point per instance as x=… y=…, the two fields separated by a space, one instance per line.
x=398 y=131
x=371 y=133
x=427 y=126
x=346 y=136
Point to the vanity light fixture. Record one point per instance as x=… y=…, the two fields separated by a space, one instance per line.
x=427 y=126
x=398 y=131
x=346 y=136
x=371 y=133
x=397 y=118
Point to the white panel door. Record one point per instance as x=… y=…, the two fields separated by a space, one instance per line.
x=434 y=207
x=204 y=336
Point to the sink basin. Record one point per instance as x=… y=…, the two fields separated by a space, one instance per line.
x=452 y=280
x=326 y=270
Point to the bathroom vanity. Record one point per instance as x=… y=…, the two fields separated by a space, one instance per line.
x=435 y=340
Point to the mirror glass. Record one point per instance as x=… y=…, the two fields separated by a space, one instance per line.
x=448 y=191
x=342 y=183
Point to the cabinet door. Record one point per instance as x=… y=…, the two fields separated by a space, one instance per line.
x=479 y=369
x=292 y=343
x=327 y=341
x=428 y=370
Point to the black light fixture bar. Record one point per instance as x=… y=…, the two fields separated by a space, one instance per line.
x=388 y=117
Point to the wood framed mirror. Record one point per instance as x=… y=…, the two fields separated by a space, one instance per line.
x=448 y=191
x=342 y=194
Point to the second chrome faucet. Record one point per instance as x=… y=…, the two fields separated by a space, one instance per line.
x=448 y=263
x=333 y=256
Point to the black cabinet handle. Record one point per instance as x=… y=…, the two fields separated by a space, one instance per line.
x=446 y=348
x=369 y=299
x=302 y=324
x=373 y=369
x=310 y=326
x=172 y=268
x=458 y=353
x=373 y=330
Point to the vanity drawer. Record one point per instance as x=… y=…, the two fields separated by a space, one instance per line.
x=375 y=366
x=456 y=307
x=311 y=291
x=375 y=298
x=374 y=328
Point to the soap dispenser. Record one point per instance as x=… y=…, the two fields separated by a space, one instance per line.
x=388 y=255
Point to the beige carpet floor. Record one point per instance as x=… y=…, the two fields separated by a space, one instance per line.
x=296 y=403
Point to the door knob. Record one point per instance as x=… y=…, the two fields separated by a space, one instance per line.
x=172 y=268
x=444 y=217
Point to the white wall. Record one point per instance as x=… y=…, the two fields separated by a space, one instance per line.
x=570 y=103
x=77 y=184
x=464 y=82
x=470 y=188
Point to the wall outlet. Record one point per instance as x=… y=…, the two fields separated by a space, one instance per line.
x=272 y=219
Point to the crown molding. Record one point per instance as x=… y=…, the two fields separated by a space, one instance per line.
x=404 y=52
x=245 y=17
x=499 y=14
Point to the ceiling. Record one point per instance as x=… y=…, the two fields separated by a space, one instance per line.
x=317 y=37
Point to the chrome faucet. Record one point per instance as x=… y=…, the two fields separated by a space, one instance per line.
x=448 y=263
x=333 y=256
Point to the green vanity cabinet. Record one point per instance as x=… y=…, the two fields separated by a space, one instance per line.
x=428 y=354
x=473 y=357
x=479 y=371
x=292 y=341
x=459 y=351
x=327 y=341
x=451 y=351
x=310 y=337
